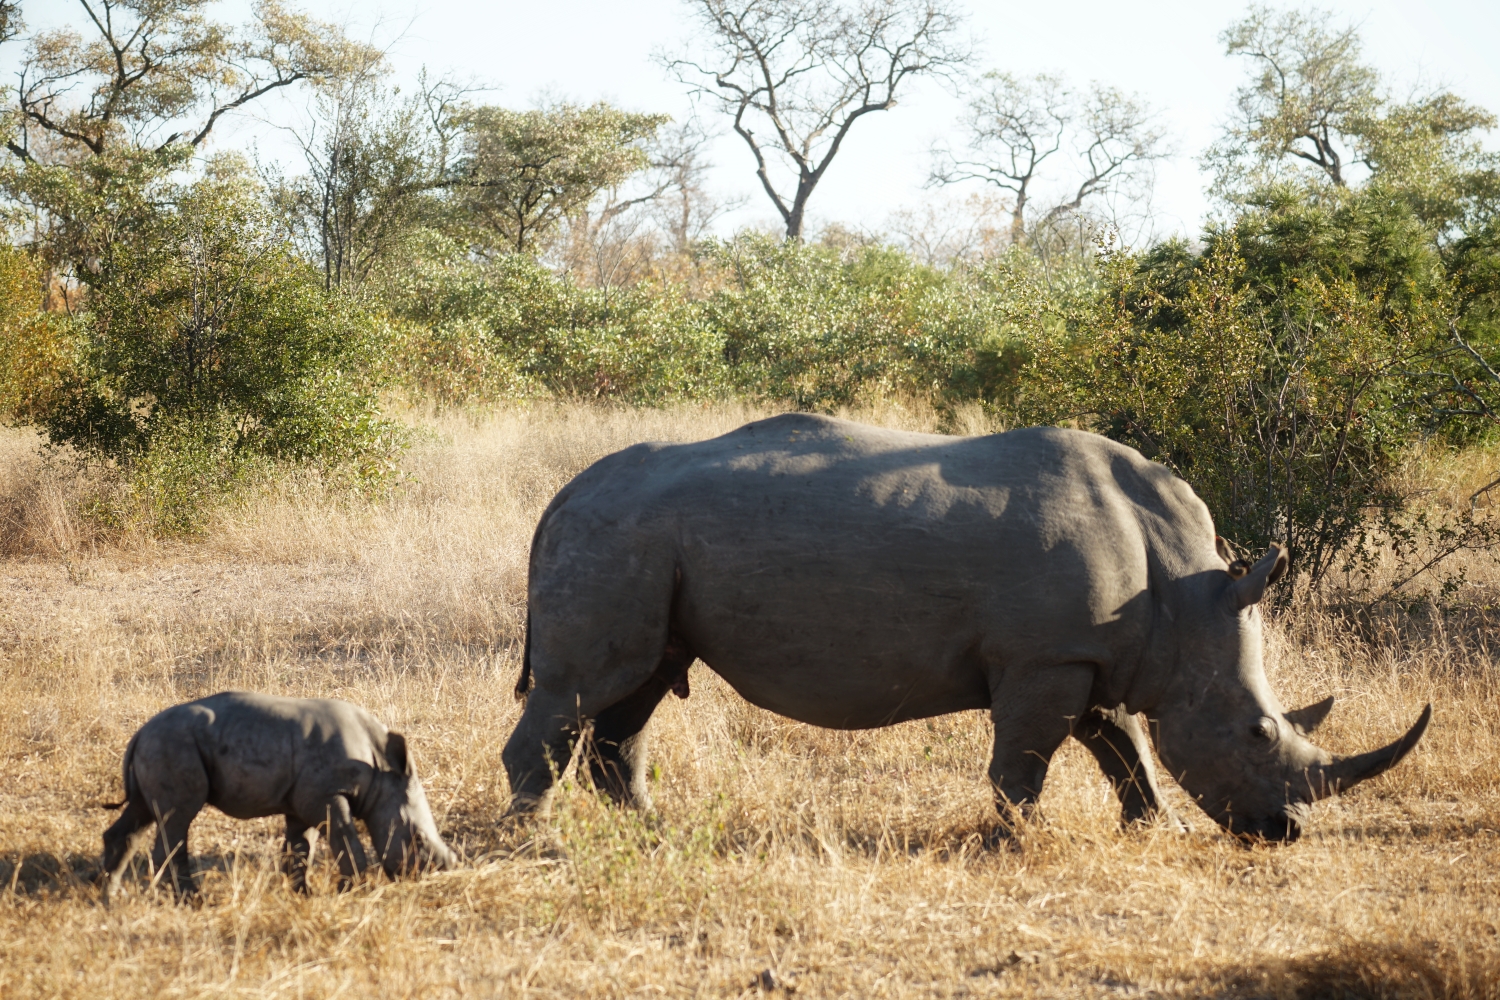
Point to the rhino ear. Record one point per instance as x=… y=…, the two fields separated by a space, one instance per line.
x=1251 y=587
x=395 y=754
x=1305 y=720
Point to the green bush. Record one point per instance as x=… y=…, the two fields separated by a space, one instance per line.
x=208 y=348
x=1280 y=371
x=809 y=326
x=479 y=331
x=37 y=348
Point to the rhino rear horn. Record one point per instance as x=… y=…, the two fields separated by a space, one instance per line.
x=1306 y=720
x=1250 y=588
x=1346 y=772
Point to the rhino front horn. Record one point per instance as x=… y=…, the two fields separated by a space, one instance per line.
x=1346 y=772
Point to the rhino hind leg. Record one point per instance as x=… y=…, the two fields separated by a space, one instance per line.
x=174 y=785
x=1118 y=742
x=1033 y=715
x=169 y=854
x=540 y=749
x=616 y=749
x=122 y=840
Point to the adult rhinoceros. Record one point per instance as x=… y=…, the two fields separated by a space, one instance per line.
x=852 y=577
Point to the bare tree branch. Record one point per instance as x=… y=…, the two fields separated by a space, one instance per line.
x=808 y=70
x=1015 y=126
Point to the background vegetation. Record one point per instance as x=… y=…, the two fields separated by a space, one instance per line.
x=189 y=324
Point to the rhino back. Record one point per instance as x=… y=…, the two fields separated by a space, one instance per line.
x=854 y=576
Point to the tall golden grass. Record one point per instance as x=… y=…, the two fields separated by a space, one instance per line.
x=781 y=857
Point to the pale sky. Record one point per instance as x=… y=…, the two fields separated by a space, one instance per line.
x=1167 y=51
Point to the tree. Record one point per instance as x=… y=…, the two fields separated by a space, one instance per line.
x=1313 y=110
x=199 y=343
x=522 y=172
x=684 y=205
x=11 y=24
x=1015 y=125
x=1307 y=100
x=1268 y=372
x=154 y=74
x=105 y=113
x=374 y=162
x=211 y=346
x=808 y=70
x=650 y=224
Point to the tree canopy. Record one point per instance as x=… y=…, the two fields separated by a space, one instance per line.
x=522 y=172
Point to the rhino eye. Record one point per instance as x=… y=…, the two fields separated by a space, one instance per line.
x=1264 y=730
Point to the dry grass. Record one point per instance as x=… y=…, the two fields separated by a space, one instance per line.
x=849 y=864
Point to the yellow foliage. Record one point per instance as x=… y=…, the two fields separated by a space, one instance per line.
x=37 y=348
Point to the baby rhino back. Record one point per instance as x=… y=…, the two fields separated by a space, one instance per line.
x=267 y=755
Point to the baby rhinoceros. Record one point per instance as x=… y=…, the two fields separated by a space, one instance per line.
x=319 y=762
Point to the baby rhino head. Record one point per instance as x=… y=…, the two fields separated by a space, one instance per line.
x=399 y=819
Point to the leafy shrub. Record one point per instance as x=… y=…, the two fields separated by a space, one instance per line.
x=209 y=347
x=810 y=326
x=1279 y=372
x=37 y=348
x=478 y=331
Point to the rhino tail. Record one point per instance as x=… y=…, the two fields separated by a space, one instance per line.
x=131 y=788
x=523 y=684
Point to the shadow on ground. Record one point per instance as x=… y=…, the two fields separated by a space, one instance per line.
x=45 y=874
x=1365 y=970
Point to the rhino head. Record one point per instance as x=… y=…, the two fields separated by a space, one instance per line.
x=399 y=818
x=1219 y=728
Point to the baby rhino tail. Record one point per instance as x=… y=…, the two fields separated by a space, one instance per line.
x=129 y=776
x=523 y=685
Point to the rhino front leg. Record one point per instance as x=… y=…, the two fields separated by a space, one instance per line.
x=1118 y=742
x=539 y=750
x=1034 y=712
x=344 y=841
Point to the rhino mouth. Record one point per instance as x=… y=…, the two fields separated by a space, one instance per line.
x=1281 y=827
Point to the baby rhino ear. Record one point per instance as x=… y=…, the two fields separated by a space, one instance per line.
x=1238 y=567
x=395 y=753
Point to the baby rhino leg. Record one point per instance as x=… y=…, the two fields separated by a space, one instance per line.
x=174 y=786
x=121 y=841
x=343 y=839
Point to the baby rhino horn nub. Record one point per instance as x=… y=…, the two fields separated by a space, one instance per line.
x=1346 y=772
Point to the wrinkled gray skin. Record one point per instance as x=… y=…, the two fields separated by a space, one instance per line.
x=319 y=762
x=853 y=577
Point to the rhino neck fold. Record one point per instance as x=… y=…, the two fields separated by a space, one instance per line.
x=1143 y=683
